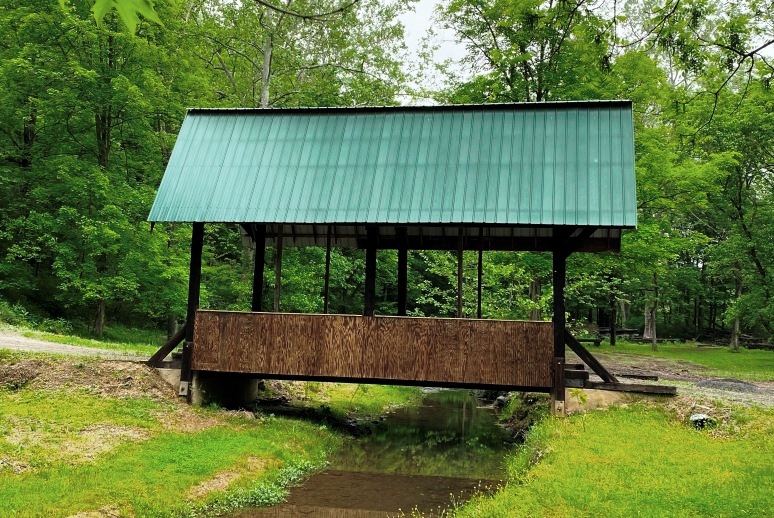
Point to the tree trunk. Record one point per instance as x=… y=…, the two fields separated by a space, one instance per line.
x=624 y=312
x=613 y=334
x=653 y=308
x=268 y=49
x=278 y=270
x=535 y=292
x=735 y=328
x=99 y=320
x=647 y=330
x=171 y=324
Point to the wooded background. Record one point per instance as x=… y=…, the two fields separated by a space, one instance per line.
x=89 y=113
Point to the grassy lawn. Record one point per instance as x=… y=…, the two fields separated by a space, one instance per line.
x=66 y=452
x=638 y=461
x=79 y=440
x=719 y=361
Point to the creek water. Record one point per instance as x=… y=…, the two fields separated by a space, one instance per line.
x=420 y=458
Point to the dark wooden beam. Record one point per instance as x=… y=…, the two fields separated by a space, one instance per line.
x=194 y=288
x=402 y=271
x=327 y=289
x=559 y=280
x=574 y=244
x=639 y=388
x=480 y=269
x=494 y=243
x=278 y=269
x=370 y=273
x=460 y=249
x=259 y=237
x=588 y=358
x=168 y=347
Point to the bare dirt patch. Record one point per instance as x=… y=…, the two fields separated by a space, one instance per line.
x=185 y=419
x=74 y=446
x=253 y=467
x=14 y=466
x=18 y=375
x=106 y=378
x=103 y=512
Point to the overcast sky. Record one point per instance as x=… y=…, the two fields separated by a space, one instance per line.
x=418 y=22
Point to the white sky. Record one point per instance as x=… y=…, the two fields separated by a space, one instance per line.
x=417 y=24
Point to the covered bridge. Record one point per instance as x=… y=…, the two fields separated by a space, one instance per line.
x=555 y=177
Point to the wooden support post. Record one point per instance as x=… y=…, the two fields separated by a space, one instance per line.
x=480 y=268
x=460 y=245
x=194 y=283
x=559 y=278
x=278 y=269
x=259 y=236
x=370 y=273
x=327 y=289
x=402 y=270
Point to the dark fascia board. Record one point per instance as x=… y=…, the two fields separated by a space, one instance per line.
x=351 y=110
x=404 y=225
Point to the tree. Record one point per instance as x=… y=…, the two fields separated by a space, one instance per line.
x=528 y=50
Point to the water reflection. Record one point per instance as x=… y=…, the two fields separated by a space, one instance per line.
x=419 y=457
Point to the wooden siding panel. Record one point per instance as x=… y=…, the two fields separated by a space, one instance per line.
x=457 y=351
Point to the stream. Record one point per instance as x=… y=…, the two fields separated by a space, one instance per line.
x=420 y=458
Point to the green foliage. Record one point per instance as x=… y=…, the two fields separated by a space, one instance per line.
x=89 y=113
x=128 y=10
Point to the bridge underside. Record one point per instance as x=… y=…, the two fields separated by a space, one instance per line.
x=512 y=355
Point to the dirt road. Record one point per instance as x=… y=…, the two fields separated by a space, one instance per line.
x=17 y=342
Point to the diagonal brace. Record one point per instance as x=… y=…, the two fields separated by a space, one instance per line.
x=588 y=358
x=168 y=347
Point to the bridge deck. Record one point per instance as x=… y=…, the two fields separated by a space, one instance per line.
x=380 y=349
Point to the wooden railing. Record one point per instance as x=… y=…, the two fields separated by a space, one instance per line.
x=378 y=349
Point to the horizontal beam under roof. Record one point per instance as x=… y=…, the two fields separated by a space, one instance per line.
x=424 y=237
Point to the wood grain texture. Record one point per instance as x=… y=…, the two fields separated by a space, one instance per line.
x=458 y=351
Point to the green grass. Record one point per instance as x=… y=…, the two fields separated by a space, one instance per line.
x=637 y=461
x=365 y=400
x=73 y=449
x=152 y=473
x=718 y=361
x=152 y=477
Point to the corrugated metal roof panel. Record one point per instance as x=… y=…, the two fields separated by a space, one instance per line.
x=520 y=164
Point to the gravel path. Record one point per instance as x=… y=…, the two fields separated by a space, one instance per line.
x=17 y=342
x=688 y=377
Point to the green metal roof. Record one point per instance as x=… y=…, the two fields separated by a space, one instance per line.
x=529 y=164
